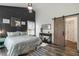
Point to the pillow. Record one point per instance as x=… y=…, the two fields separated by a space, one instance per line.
x=13 y=33
x=23 y=33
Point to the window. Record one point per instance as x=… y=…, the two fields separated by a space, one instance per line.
x=31 y=27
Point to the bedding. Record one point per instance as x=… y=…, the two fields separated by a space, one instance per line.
x=13 y=33
x=17 y=45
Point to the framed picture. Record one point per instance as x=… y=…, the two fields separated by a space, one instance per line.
x=17 y=23
x=23 y=23
x=7 y=21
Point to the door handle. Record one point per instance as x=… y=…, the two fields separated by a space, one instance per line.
x=63 y=33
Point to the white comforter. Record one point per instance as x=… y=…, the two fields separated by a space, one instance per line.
x=21 y=44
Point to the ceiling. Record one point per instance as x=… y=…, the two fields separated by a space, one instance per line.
x=15 y=4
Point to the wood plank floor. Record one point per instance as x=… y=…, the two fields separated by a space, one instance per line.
x=71 y=44
x=71 y=47
x=67 y=51
x=48 y=50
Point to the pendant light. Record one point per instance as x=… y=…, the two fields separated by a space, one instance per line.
x=30 y=7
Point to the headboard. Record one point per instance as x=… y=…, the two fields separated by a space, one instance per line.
x=14 y=19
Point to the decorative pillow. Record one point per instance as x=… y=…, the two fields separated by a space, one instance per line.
x=23 y=33
x=13 y=33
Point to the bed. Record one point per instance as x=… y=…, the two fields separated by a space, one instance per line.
x=21 y=44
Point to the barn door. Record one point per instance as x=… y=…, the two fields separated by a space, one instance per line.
x=59 y=31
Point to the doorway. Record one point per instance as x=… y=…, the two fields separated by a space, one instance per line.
x=71 y=32
x=65 y=32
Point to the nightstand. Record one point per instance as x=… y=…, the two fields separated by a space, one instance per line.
x=2 y=42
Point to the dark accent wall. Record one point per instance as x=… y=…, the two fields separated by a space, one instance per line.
x=7 y=12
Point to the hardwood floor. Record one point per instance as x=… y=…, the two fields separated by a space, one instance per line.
x=66 y=51
x=71 y=44
x=53 y=50
x=48 y=50
x=71 y=47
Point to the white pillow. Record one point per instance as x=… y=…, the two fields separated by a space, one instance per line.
x=13 y=33
x=23 y=33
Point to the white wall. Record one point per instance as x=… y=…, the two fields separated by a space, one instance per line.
x=46 y=11
x=78 y=33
